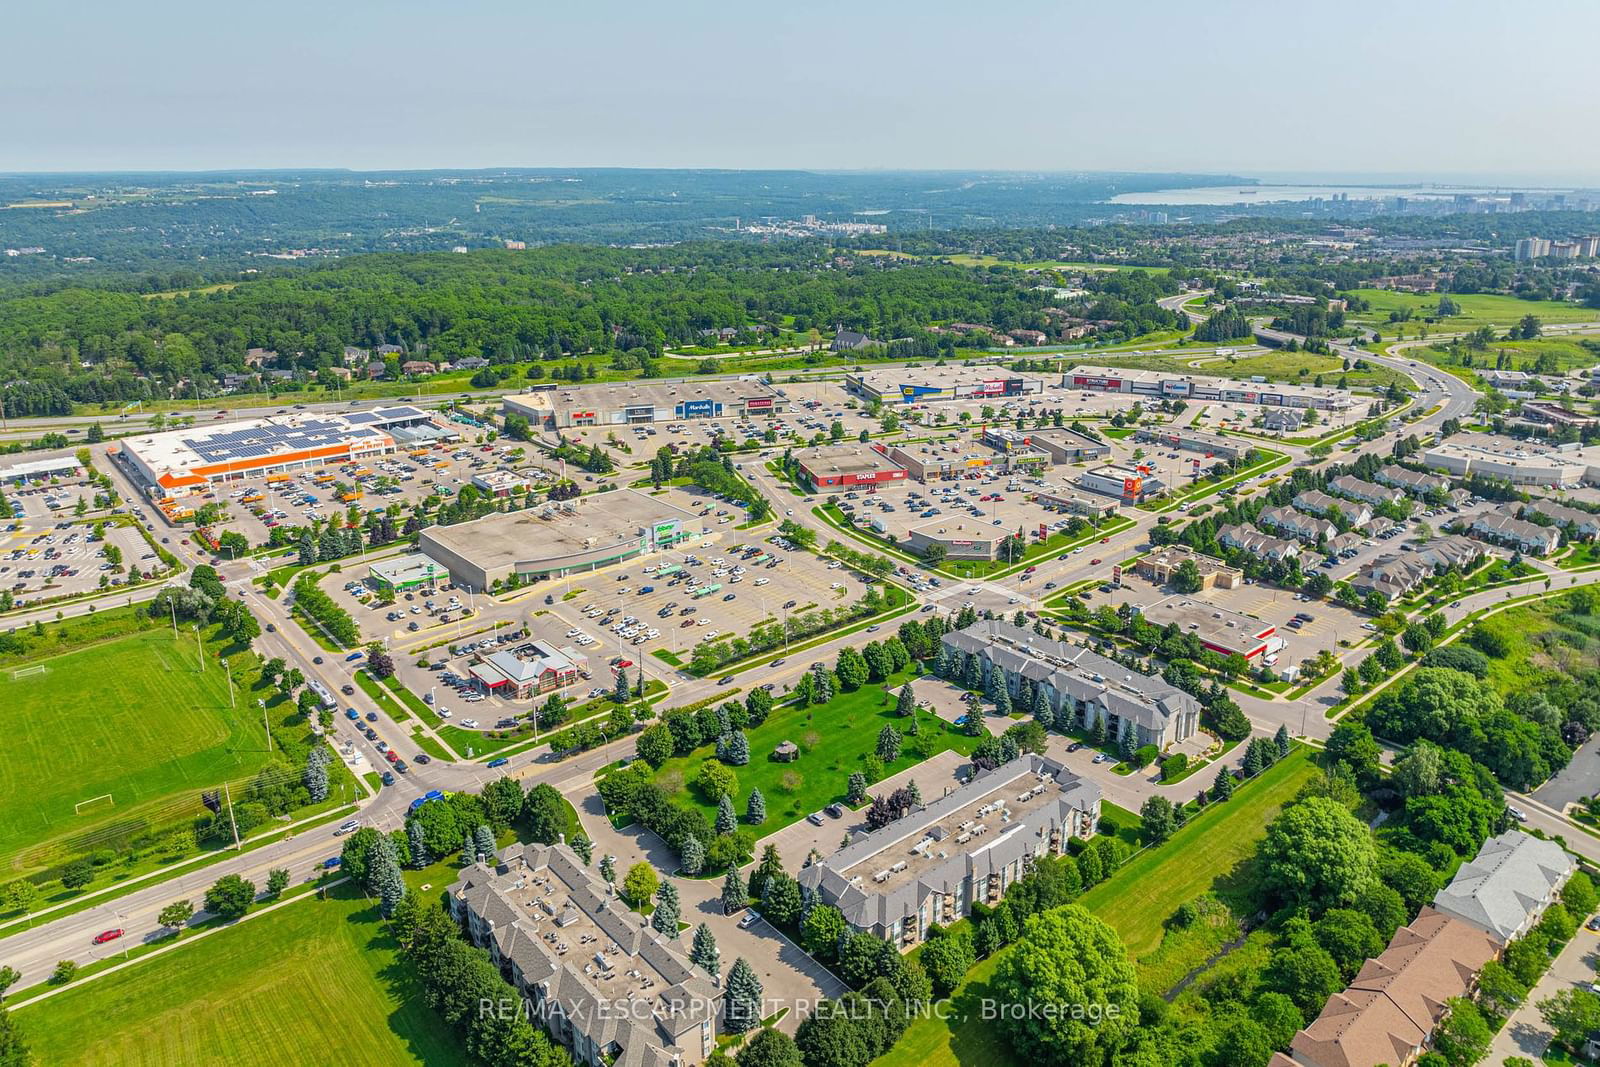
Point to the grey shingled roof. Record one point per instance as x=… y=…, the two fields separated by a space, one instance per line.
x=1148 y=699
x=1512 y=877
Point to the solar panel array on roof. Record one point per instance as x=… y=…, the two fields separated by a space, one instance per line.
x=268 y=438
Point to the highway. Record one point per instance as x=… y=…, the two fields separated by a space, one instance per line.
x=34 y=952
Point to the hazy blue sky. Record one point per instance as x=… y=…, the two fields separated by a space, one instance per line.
x=1248 y=86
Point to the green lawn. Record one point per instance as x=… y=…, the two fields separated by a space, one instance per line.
x=1136 y=901
x=834 y=739
x=1477 y=309
x=315 y=981
x=1277 y=366
x=133 y=717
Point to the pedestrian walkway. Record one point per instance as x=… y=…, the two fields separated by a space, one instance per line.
x=1526 y=1033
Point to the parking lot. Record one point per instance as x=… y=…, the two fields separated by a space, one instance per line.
x=1329 y=623
x=984 y=503
x=1248 y=418
x=255 y=506
x=801 y=424
x=703 y=595
x=62 y=558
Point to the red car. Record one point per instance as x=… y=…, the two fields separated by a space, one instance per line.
x=625 y=664
x=108 y=935
x=1092 y=562
x=391 y=755
x=1105 y=540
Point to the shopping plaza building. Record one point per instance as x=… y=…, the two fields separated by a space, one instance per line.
x=913 y=385
x=637 y=403
x=1160 y=385
x=190 y=460
x=553 y=540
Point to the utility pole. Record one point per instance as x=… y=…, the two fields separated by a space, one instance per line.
x=228 y=667
x=264 y=727
x=199 y=649
x=234 y=822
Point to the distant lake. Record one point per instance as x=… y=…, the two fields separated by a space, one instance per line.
x=1224 y=195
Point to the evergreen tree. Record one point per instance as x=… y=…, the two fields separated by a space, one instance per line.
x=1041 y=708
x=692 y=858
x=742 y=1003
x=388 y=882
x=704 y=950
x=583 y=848
x=738 y=749
x=855 y=788
x=664 y=920
x=972 y=674
x=1222 y=788
x=420 y=856
x=823 y=685
x=1002 y=695
x=1252 y=759
x=914 y=794
x=914 y=724
x=734 y=895
x=622 y=689
x=469 y=851
x=316 y=775
x=483 y=839
x=1281 y=739
x=888 y=744
x=727 y=820
x=608 y=869
x=1065 y=717
x=755 y=809
x=906 y=705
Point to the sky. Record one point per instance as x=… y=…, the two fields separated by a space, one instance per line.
x=1461 y=88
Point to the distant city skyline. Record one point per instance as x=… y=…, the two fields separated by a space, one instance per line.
x=1473 y=90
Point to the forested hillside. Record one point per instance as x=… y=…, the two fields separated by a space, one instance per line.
x=83 y=345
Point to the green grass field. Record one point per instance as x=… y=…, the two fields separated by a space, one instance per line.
x=1569 y=353
x=1545 y=643
x=1477 y=309
x=317 y=981
x=834 y=739
x=1297 y=367
x=1136 y=901
x=132 y=717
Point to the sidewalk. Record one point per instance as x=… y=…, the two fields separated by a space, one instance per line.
x=1525 y=1033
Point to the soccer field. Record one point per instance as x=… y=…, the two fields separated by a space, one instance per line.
x=134 y=718
x=317 y=981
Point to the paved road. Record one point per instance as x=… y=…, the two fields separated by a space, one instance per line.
x=34 y=952
x=1525 y=1033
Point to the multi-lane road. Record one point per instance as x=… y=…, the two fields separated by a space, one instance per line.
x=34 y=951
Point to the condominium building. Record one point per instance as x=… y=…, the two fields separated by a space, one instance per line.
x=614 y=991
x=968 y=846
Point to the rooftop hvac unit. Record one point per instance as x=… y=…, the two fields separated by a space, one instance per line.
x=898 y=867
x=963 y=839
x=881 y=876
